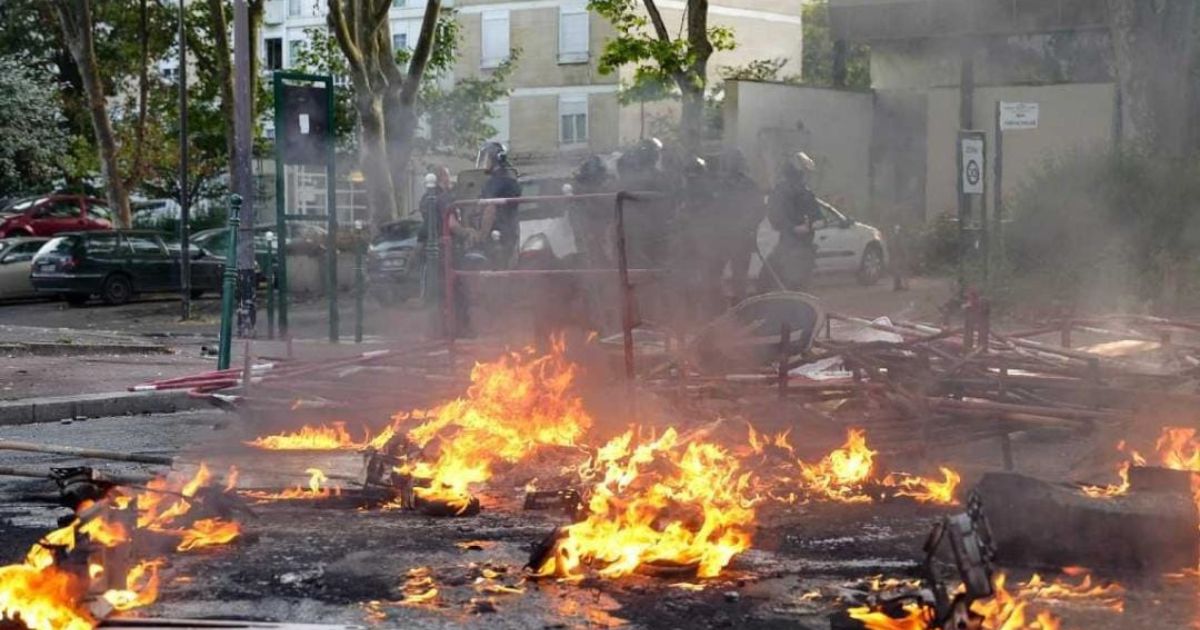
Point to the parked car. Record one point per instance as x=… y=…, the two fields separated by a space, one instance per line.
x=117 y=265
x=844 y=246
x=50 y=214
x=394 y=261
x=16 y=258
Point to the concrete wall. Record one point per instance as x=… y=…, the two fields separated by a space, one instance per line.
x=1075 y=116
x=770 y=120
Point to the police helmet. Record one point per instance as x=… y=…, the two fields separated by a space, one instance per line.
x=431 y=180
x=592 y=171
x=801 y=162
x=492 y=154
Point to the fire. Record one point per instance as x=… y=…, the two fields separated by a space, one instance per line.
x=419 y=587
x=43 y=598
x=926 y=490
x=318 y=488
x=141 y=587
x=662 y=502
x=840 y=475
x=1110 y=596
x=167 y=501
x=323 y=438
x=1004 y=611
x=513 y=406
x=847 y=472
x=206 y=533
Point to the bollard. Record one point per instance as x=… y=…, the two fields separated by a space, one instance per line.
x=359 y=282
x=229 y=286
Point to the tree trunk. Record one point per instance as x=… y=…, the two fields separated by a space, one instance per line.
x=1152 y=51
x=139 y=135
x=75 y=19
x=691 y=123
x=373 y=155
x=223 y=68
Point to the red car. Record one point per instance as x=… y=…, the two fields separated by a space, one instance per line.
x=51 y=214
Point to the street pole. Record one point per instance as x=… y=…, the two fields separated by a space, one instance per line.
x=228 y=287
x=185 y=250
x=331 y=214
x=281 y=282
x=243 y=108
x=359 y=280
x=270 y=273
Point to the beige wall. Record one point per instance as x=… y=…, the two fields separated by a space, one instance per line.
x=1072 y=117
x=769 y=120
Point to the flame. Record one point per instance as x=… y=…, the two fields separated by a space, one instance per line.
x=141 y=587
x=323 y=438
x=1003 y=611
x=1110 y=596
x=1107 y=492
x=840 y=475
x=318 y=488
x=43 y=598
x=513 y=406
x=926 y=490
x=659 y=502
x=206 y=533
x=419 y=588
x=201 y=533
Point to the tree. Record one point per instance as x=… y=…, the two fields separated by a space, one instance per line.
x=385 y=93
x=32 y=137
x=75 y=20
x=660 y=59
x=828 y=62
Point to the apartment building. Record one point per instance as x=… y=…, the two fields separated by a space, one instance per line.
x=561 y=107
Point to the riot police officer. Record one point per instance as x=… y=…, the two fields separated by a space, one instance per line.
x=500 y=217
x=795 y=213
x=742 y=209
x=648 y=224
x=591 y=219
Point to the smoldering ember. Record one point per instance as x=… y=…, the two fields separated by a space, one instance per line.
x=824 y=314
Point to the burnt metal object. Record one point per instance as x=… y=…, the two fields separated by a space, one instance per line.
x=438 y=507
x=542 y=550
x=77 y=484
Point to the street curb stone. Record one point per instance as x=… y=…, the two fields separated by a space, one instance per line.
x=102 y=405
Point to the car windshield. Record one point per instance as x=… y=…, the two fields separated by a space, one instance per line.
x=21 y=205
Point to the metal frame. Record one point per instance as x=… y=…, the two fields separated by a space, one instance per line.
x=450 y=275
x=281 y=216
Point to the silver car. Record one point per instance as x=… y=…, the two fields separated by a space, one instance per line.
x=16 y=255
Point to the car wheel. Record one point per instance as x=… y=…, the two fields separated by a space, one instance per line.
x=76 y=299
x=116 y=290
x=870 y=270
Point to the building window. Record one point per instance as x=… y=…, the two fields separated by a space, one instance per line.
x=495 y=38
x=274 y=46
x=573 y=33
x=396 y=4
x=399 y=42
x=499 y=120
x=294 y=48
x=294 y=7
x=572 y=117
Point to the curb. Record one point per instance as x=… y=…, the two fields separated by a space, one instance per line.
x=81 y=349
x=103 y=405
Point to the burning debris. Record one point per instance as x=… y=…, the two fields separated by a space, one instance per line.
x=847 y=474
x=664 y=504
x=319 y=487
x=514 y=406
x=78 y=573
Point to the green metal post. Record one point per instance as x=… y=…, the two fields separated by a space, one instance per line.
x=270 y=289
x=359 y=282
x=230 y=285
x=280 y=208
x=331 y=211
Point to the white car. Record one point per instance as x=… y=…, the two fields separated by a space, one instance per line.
x=16 y=256
x=844 y=246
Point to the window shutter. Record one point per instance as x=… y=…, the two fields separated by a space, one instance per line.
x=495 y=46
x=573 y=33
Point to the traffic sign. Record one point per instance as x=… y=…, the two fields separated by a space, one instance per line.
x=971 y=152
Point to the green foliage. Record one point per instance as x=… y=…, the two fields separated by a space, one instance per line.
x=32 y=137
x=818 y=51
x=1107 y=230
x=657 y=63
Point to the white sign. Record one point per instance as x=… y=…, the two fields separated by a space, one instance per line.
x=1018 y=116
x=304 y=125
x=972 y=166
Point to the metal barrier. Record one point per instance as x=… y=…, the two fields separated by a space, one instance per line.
x=451 y=275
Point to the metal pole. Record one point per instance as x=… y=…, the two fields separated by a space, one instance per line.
x=185 y=250
x=230 y=285
x=331 y=212
x=281 y=281
x=998 y=190
x=270 y=271
x=625 y=289
x=242 y=125
x=449 y=306
x=966 y=105
x=359 y=282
